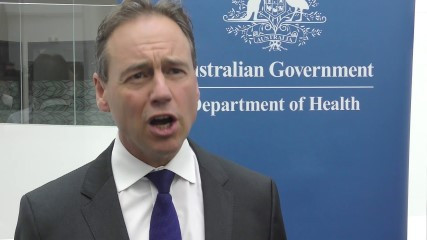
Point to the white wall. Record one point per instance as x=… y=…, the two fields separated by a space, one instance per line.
x=418 y=147
x=32 y=155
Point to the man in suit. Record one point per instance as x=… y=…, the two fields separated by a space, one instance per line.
x=146 y=78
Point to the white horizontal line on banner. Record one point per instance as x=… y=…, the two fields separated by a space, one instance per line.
x=58 y=4
x=294 y=87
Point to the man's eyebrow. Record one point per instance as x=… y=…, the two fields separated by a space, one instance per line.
x=133 y=67
x=174 y=62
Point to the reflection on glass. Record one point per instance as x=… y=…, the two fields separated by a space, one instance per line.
x=10 y=81
x=48 y=85
x=55 y=44
x=51 y=90
x=86 y=21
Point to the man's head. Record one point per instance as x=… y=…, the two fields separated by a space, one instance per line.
x=150 y=85
x=131 y=9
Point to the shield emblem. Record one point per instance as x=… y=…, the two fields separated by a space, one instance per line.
x=274 y=7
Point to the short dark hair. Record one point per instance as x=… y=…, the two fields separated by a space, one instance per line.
x=131 y=9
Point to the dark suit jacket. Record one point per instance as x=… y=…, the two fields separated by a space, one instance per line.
x=238 y=204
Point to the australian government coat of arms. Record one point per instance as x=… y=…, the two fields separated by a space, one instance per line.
x=275 y=23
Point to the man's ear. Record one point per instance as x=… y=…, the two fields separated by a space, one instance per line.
x=197 y=86
x=101 y=93
x=198 y=90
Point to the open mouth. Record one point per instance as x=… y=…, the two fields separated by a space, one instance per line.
x=162 y=121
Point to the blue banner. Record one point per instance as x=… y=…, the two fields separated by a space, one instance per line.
x=315 y=94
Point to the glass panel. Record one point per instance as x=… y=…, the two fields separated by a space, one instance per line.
x=97 y=2
x=86 y=22
x=49 y=1
x=86 y=2
x=47 y=61
x=11 y=1
x=51 y=83
x=10 y=64
x=47 y=35
x=77 y=2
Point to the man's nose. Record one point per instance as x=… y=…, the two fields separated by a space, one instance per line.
x=161 y=92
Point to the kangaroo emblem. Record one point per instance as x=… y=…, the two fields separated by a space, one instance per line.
x=252 y=8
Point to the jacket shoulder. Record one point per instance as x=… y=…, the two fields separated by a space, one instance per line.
x=53 y=211
x=62 y=187
x=73 y=183
x=235 y=173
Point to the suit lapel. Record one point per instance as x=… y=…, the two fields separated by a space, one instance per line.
x=217 y=201
x=103 y=213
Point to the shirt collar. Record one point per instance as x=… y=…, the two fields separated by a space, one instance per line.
x=127 y=169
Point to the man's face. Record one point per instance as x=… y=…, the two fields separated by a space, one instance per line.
x=152 y=89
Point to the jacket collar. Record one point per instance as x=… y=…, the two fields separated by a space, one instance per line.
x=104 y=216
x=103 y=213
x=217 y=200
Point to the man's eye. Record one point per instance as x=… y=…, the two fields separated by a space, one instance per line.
x=175 y=71
x=137 y=75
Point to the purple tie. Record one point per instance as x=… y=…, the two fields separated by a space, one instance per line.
x=164 y=224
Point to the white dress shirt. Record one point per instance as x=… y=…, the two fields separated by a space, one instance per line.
x=137 y=194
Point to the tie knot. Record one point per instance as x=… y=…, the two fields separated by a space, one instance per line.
x=161 y=179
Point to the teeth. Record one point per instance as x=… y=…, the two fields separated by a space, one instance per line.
x=161 y=117
x=164 y=126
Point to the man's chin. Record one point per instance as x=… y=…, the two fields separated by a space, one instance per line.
x=164 y=152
